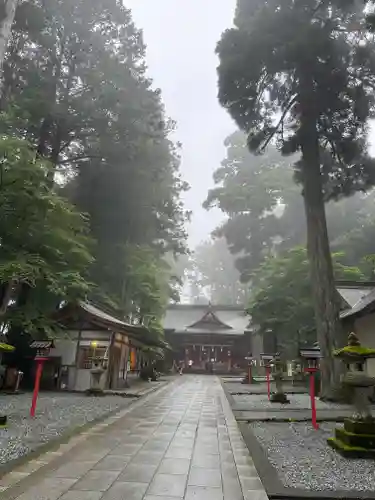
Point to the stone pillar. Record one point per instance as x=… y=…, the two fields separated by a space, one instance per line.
x=279 y=396
x=95 y=381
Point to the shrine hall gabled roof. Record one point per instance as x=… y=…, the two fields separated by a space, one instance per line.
x=195 y=319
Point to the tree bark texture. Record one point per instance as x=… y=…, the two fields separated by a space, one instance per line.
x=325 y=298
x=326 y=302
x=7 y=12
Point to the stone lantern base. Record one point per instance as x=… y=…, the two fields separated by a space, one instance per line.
x=279 y=397
x=355 y=440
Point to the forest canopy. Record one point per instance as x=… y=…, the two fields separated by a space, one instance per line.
x=90 y=183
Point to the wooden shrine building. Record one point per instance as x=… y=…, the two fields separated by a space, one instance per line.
x=203 y=334
x=90 y=336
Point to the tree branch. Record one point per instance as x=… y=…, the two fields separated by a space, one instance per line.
x=280 y=122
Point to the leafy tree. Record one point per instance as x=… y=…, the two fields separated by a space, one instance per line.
x=148 y=278
x=293 y=72
x=265 y=209
x=281 y=302
x=261 y=202
x=75 y=89
x=217 y=273
x=44 y=240
x=358 y=245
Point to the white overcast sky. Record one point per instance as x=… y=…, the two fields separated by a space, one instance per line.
x=181 y=36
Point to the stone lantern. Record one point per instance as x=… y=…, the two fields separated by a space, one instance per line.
x=278 y=375
x=95 y=383
x=357 y=437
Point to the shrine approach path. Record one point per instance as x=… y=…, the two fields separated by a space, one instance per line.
x=180 y=443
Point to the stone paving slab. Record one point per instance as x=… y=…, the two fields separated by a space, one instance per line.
x=58 y=414
x=180 y=443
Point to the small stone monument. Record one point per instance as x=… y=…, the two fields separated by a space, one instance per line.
x=357 y=438
x=96 y=374
x=279 y=396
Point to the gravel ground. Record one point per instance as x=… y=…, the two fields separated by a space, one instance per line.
x=55 y=414
x=304 y=460
x=297 y=402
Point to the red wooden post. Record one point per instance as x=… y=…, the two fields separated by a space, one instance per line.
x=43 y=348
x=39 y=369
x=268 y=381
x=312 y=356
x=312 y=397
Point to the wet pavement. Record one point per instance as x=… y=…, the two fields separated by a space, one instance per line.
x=179 y=443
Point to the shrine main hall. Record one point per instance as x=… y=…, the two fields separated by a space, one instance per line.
x=202 y=334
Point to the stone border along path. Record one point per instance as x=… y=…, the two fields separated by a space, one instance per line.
x=180 y=443
x=293 y=468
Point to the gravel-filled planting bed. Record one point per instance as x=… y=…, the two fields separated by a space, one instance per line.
x=304 y=460
x=297 y=401
x=56 y=414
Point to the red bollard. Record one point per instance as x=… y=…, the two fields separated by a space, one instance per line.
x=38 y=375
x=314 y=422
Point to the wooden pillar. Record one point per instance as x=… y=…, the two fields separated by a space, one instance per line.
x=76 y=360
x=110 y=374
x=133 y=359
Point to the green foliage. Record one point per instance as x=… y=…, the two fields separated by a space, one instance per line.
x=146 y=287
x=265 y=213
x=294 y=73
x=76 y=92
x=44 y=240
x=261 y=201
x=255 y=85
x=281 y=302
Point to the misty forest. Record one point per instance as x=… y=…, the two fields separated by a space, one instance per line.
x=92 y=188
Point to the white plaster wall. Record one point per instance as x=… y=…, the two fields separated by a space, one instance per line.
x=83 y=380
x=66 y=349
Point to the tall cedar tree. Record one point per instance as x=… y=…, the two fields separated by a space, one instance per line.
x=75 y=88
x=250 y=190
x=264 y=209
x=290 y=71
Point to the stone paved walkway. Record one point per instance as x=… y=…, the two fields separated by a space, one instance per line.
x=179 y=443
